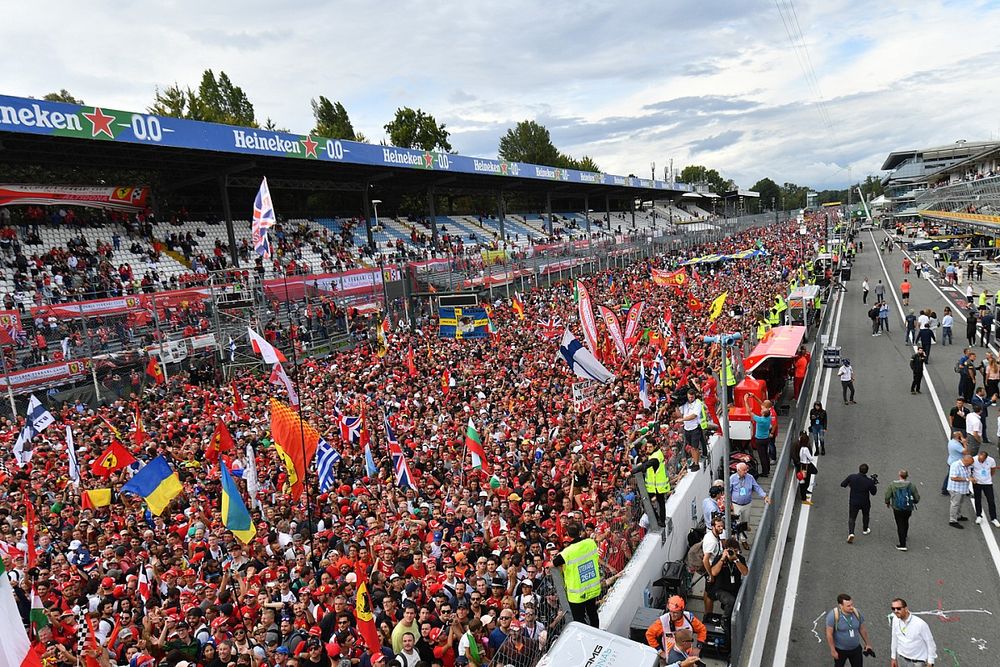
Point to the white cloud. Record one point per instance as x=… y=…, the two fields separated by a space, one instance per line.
x=722 y=87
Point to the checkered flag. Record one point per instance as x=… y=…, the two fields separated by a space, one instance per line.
x=81 y=630
x=4 y=471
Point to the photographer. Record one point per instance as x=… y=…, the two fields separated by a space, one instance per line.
x=727 y=571
x=862 y=489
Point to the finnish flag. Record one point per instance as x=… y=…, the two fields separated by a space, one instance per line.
x=582 y=362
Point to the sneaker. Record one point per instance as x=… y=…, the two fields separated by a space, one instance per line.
x=979 y=520
x=900 y=547
x=694 y=467
x=853 y=402
x=807 y=502
x=867 y=531
x=963 y=518
x=996 y=523
x=955 y=524
x=850 y=538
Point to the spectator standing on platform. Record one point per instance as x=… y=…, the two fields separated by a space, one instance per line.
x=983 y=468
x=581 y=574
x=847 y=374
x=959 y=489
x=846 y=633
x=761 y=432
x=917 y=362
x=742 y=486
x=912 y=642
x=862 y=489
x=901 y=496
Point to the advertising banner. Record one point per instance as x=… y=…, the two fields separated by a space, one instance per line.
x=462 y=323
x=26 y=379
x=122 y=198
x=59 y=119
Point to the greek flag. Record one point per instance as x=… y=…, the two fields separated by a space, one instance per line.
x=263 y=219
x=326 y=458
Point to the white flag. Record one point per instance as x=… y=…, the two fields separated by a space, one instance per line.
x=583 y=363
x=250 y=475
x=265 y=349
x=39 y=418
x=74 y=467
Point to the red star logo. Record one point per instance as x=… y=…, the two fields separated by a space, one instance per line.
x=310 y=146
x=428 y=160
x=101 y=122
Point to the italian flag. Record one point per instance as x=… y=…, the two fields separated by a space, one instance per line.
x=474 y=444
x=15 y=649
x=38 y=618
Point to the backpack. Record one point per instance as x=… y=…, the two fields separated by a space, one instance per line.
x=694 y=561
x=902 y=498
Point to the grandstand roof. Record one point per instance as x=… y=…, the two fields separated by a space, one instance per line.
x=188 y=152
x=956 y=150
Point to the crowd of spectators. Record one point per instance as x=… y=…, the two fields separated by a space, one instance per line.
x=457 y=569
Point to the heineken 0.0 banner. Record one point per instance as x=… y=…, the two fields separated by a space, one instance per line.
x=124 y=198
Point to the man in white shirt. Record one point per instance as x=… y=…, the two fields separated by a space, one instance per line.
x=947 y=322
x=912 y=643
x=694 y=437
x=846 y=375
x=983 y=468
x=974 y=427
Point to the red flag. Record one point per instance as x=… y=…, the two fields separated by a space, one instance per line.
x=364 y=612
x=694 y=304
x=90 y=646
x=238 y=405
x=411 y=364
x=154 y=371
x=29 y=517
x=139 y=435
x=221 y=442
x=114 y=458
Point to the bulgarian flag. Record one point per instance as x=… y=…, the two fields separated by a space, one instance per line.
x=15 y=649
x=38 y=618
x=474 y=444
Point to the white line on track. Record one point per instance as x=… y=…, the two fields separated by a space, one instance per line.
x=991 y=540
x=798 y=550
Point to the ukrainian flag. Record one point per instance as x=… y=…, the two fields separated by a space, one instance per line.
x=157 y=483
x=234 y=512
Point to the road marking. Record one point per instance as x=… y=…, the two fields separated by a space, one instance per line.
x=798 y=551
x=991 y=540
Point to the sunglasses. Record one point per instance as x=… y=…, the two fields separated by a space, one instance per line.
x=897 y=608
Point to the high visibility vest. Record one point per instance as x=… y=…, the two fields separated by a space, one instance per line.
x=730 y=375
x=582 y=572
x=657 y=481
x=762 y=329
x=779 y=304
x=982 y=299
x=772 y=318
x=704 y=416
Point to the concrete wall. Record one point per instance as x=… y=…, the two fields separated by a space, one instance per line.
x=646 y=565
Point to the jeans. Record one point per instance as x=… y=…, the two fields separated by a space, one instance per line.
x=854 y=656
x=955 y=503
x=946 y=336
x=853 y=517
x=902 y=525
x=980 y=490
x=818 y=434
x=885 y=322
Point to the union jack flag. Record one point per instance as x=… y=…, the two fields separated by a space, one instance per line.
x=263 y=219
x=551 y=329
x=350 y=428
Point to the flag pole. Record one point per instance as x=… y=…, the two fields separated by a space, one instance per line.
x=10 y=389
x=302 y=437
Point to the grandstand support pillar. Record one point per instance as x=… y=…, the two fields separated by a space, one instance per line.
x=586 y=212
x=500 y=216
x=607 y=211
x=548 y=212
x=90 y=350
x=366 y=206
x=227 y=214
x=631 y=208
x=433 y=215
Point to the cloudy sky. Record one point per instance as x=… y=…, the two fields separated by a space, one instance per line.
x=709 y=82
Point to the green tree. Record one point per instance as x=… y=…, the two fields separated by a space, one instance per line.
x=770 y=193
x=793 y=196
x=62 y=96
x=698 y=174
x=331 y=120
x=586 y=163
x=218 y=100
x=529 y=142
x=272 y=126
x=416 y=129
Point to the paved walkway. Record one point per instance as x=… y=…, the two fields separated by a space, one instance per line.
x=949 y=576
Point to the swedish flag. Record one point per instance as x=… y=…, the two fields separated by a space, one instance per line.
x=462 y=323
